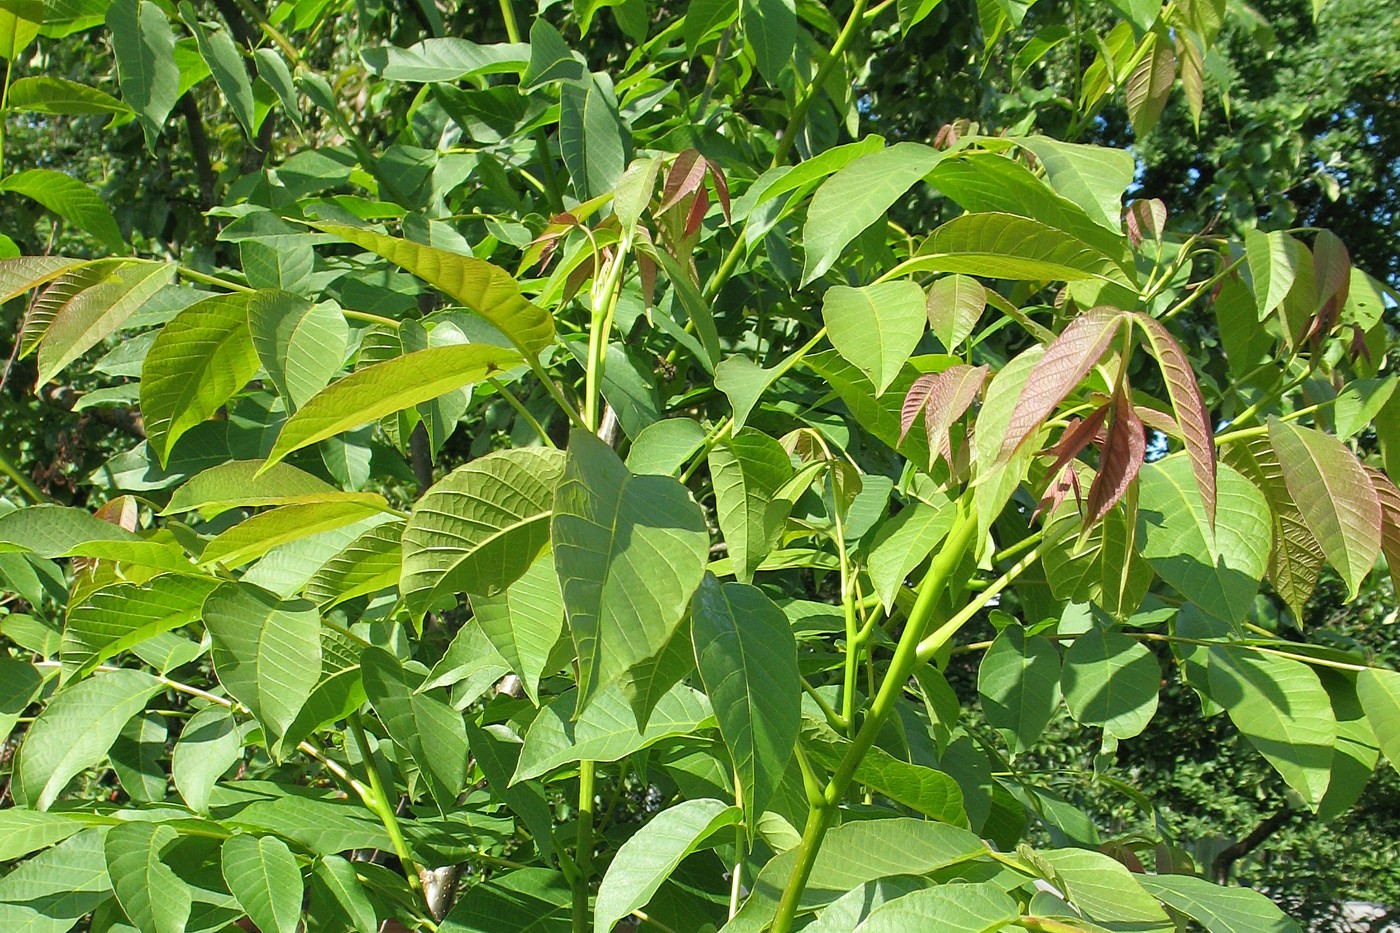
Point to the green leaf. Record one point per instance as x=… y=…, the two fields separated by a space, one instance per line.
x=1105 y=890
x=50 y=892
x=226 y=64
x=649 y=857
x=593 y=139
x=267 y=651
x=20 y=683
x=385 y=388
x=664 y=447
x=237 y=484
x=496 y=750
x=74 y=732
x=1094 y=177
x=136 y=756
x=703 y=19
x=20 y=21
x=446 y=59
x=527 y=900
x=71 y=200
x=770 y=27
x=117 y=618
x=264 y=875
x=846 y=913
x=91 y=315
x=339 y=879
x=1335 y=497
x=20 y=274
x=551 y=59
x=744 y=382
x=920 y=788
x=629 y=552
x=606 y=730
x=301 y=345
x=1281 y=707
x=152 y=896
x=1111 y=680
x=53 y=530
x=1379 y=692
x=1150 y=84
x=23 y=832
x=747 y=471
x=481 y=287
x=273 y=70
x=1103 y=568
x=146 y=69
x=1273 y=260
x=421 y=722
x=955 y=304
x=747 y=657
x=480 y=527
x=198 y=361
x=857 y=196
x=960 y=908
x=367 y=565
x=1219 y=572
x=875 y=327
x=254 y=537
x=1004 y=246
x=524 y=621
x=1217 y=908
x=1019 y=682
x=852 y=854
x=209 y=745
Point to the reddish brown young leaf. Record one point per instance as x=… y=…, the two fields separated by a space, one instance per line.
x=1121 y=456
x=1189 y=405
x=646 y=269
x=698 y=207
x=1331 y=272
x=952 y=393
x=1155 y=420
x=721 y=188
x=121 y=511
x=1390 y=521
x=1146 y=218
x=1077 y=436
x=1067 y=479
x=914 y=403
x=686 y=175
x=1065 y=364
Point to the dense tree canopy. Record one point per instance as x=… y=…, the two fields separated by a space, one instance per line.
x=728 y=464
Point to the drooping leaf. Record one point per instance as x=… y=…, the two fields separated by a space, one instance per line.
x=1334 y=495
x=1065 y=364
x=1281 y=707
x=1104 y=889
x=1098 y=564
x=47 y=94
x=1273 y=260
x=264 y=876
x=856 y=197
x=648 y=858
x=629 y=551
x=74 y=732
x=1120 y=459
x=770 y=26
x=1004 y=246
x=1150 y=84
x=593 y=139
x=267 y=651
x=84 y=318
x=1094 y=177
x=338 y=878
x=198 y=361
x=71 y=200
x=747 y=656
x=955 y=304
x=221 y=54
x=1019 y=682
x=447 y=59
x=151 y=894
x=496 y=750
x=479 y=528
x=145 y=50
x=1379 y=692
x=481 y=287
x=420 y=721
x=950 y=394
x=388 y=387
x=875 y=327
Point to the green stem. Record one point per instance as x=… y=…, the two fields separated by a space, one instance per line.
x=4 y=105
x=381 y=806
x=583 y=850
x=604 y=308
x=369 y=318
x=935 y=642
x=185 y=272
x=508 y=14
x=941 y=569
x=804 y=103
x=1200 y=290
x=25 y=484
x=522 y=411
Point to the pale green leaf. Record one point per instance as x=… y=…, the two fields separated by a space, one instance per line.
x=1019 y=682
x=421 y=722
x=649 y=857
x=1005 y=246
x=388 y=387
x=920 y=788
x=524 y=622
x=875 y=327
x=1094 y=177
x=71 y=200
x=1150 y=84
x=1111 y=680
x=267 y=651
x=209 y=745
x=301 y=345
x=905 y=541
x=253 y=537
x=954 y=908
x=151 y=894
x=747 y=471
x=145 y=51
x=23 y=832
x=1273 y=260
x=120 y=617
x=1105 y=890
x=367 y=565
x=1218 y=908
x=446 y=59
x=1379 y=692
x=74 y=732
x=238 y=484
x=97 y=312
